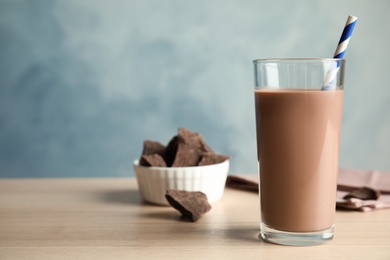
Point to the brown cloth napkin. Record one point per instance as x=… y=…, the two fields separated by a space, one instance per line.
x=349 y=182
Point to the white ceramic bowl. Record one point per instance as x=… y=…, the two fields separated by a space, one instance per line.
x=153 y=182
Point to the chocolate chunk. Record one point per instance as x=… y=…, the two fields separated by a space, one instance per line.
x=364 y=193
x=171 y=150
x=186 y=156
x=209 y=158
x=186 y=149
x=194 y=140
x=155 y=160
x=152 y=147
x=191 y=204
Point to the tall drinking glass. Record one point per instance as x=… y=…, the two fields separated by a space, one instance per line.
x=298 y=136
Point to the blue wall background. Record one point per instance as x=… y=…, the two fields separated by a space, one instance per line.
x=83 y=83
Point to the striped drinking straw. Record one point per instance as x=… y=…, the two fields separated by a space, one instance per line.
x=329 y=82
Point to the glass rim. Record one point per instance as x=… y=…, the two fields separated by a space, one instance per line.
x=263 y=60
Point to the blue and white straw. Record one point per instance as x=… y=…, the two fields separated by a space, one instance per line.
x=329 y=82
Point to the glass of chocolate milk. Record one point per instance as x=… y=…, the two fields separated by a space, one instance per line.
x=298 y=136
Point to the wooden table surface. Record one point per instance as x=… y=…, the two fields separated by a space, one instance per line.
x=106 y=219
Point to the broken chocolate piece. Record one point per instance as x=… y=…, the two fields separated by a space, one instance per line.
x=152 y=154
x=209 y=159
x=194 y=140
x=171 y=150
x=152 y=147
x=155 y=160
x=364 y=193
x=186 y=149
x=186 y=156
x=191 y=204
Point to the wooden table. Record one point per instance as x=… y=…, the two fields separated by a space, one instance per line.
x=106 y=219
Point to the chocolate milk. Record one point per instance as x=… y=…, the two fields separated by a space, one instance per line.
x=298 y=135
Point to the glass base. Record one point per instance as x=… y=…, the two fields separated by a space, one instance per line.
x=295 y=238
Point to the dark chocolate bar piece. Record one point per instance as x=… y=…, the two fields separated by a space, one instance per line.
x=363 y=193
x=209 y=159
x=155 y=160
x=153 y=147
x=186 y=149
x=171 y=150
x=191 y=204
x=194 y=140
x=186 y=156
